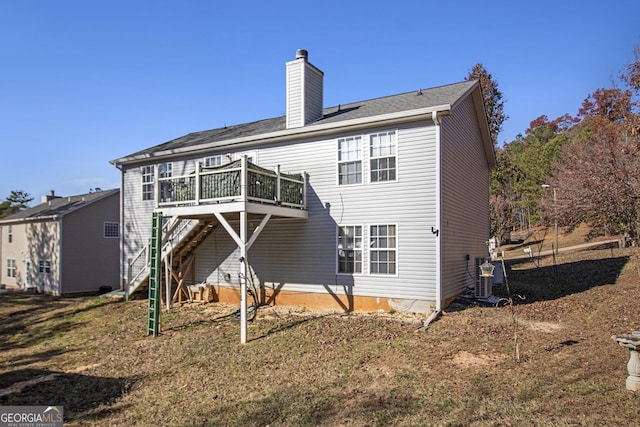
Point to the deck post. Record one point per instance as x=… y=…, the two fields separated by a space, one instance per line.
x=156 y=177
x=278 y=199
x=304 y=190
x=243 y=274
x=243 y=178
x=197 y=184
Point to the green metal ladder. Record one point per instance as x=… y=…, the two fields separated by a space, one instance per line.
x=155 y=275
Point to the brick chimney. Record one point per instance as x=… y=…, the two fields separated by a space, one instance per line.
x=304 y=91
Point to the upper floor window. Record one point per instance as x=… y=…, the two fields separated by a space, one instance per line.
x=165 y=170
x=111 y=230
x=147 y=182
x=350 y=249
x=9 y=233
x=382 y=249
x=382 y=156
x=350 y=160
x=44 y=266
x=11 y=267
x=212 y=161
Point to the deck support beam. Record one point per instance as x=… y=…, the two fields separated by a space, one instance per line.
x=244 y=243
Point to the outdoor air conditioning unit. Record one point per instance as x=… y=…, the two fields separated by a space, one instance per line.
x=483 y=284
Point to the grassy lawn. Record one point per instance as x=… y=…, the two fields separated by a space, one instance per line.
x=301 y=368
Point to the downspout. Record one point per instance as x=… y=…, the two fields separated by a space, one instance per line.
x=436 y=122
x=436 y=230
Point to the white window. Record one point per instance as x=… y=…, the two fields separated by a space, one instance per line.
x=165 y=170
x=11 y=267
x=252 y=156
x=212 y=161
x=147 y=182
x=44 y=266
x=10 y=233
x=382 y=249
x=350 y=160
x=111 y=230
x=382 y=156
x=350 y=249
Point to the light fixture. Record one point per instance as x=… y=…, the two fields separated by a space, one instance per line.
x=486 y=269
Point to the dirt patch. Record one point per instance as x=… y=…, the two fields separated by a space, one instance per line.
x=464 y=359
x=546 y=327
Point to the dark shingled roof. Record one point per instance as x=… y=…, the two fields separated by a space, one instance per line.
x=58 y=206
x=423 y=98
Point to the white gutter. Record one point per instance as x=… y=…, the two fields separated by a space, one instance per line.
x=34 y=219
x=296 y=133
x=436 y=122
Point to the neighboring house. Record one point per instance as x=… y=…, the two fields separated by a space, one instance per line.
x=65 y=245
x=390 y=210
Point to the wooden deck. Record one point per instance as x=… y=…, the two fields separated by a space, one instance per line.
x=235 y=187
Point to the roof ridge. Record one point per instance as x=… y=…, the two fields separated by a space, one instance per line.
x=401 y=94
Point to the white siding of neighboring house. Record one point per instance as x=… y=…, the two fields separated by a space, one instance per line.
x=18 y=250
x=465 y=198
x=37 y=241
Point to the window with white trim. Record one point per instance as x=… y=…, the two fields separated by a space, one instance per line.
x=350 y=160
x=350 y=249
x=111 y=230
x=382 y=249
x=147 y=173
x=382 y=156
x=10 y=233
x=212 y=161
x=12 y=268
x=165 y=170
x=44 y=266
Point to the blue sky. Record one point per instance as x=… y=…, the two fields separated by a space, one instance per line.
x=85 y=82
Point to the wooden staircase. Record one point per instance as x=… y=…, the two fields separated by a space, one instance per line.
x=180 y=237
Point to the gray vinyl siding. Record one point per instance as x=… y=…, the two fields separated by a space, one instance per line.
x=89 y=260
x=465 y=198
x=300 y=255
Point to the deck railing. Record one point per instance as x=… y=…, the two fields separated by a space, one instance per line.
x=237 y=181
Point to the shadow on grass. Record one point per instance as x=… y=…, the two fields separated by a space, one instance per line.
x=553 y=282
x=25 y=321
x=77 y=393
x=285 y=325
x=292 y=406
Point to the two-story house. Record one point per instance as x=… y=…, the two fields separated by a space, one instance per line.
x=64 y=245
x=380 y=204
